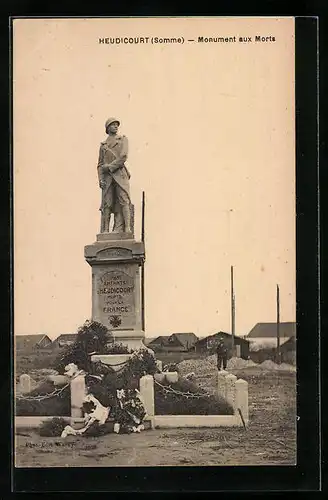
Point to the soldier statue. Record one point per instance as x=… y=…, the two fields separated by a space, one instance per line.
x=114 y=178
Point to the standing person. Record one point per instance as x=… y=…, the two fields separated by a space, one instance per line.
x=114 y=180
x=222 y=354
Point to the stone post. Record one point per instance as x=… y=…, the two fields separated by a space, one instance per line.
x=147 y=394
x=78 y=392
x=222 y=383
x=241 y=400
x=25 y=383
x=230 y=391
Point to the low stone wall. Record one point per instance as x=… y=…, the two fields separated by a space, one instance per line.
x=76 y=423
x=234 y=390
x=195 y=421
x=34 y=422
x=78 y=392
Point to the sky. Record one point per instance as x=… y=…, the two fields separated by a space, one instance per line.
x=211 y=134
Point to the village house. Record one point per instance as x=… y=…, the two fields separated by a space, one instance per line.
x=158 y=343
x=147 y=340
x=65 y=339
x=38 y=341
x=263 y=342
x=177 y=342
x=264 y=335
x=208 y=344
x=288 y=351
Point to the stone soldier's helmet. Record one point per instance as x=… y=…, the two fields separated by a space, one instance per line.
x=111 y=120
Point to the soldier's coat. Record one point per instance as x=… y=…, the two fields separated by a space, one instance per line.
x=113 y=152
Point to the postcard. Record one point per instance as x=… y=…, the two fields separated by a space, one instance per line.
x=154 y=241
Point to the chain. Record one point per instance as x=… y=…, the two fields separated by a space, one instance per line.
x=56 y=392
x=118 y=364
x=52 y=394
x=122 y=365
x=120 y=369
x=170 y=390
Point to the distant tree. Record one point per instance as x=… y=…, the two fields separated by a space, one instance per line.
x=92 y=337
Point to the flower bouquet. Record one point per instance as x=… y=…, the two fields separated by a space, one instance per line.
x=129 y=411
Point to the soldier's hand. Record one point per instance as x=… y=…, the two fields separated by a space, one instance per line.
x=102 y=184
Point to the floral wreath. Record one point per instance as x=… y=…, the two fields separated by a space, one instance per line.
x=127 y=407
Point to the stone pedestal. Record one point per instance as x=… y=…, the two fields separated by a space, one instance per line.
x=115 y=260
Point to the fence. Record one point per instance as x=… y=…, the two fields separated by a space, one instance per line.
x=77 y=392
x=234 y=390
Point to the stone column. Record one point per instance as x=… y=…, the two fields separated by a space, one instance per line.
x=222 y=383
x=25 y=383
x=78 y=392
x=230 y=392
x=241 y=400
x=147 y=394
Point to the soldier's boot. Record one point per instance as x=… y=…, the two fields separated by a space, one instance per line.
x=102 y=222
x=126 y=210
x=118 y=222
x=105 y=219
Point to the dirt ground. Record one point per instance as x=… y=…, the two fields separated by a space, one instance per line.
x=270 y=438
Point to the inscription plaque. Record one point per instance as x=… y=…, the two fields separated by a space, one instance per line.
x=116 y=299
x=114 y=252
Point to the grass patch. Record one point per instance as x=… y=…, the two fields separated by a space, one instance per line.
x=53 y=427
x=34 y=359
x=167 y=403
x=54 y=406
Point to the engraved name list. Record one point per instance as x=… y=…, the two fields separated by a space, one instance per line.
x=116 y=296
